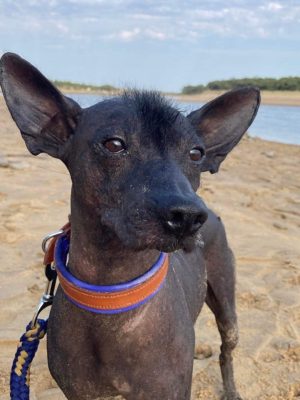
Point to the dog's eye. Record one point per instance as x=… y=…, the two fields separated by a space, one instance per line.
x=196 y=154
x=114 y=145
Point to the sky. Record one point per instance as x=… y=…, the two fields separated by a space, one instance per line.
x=162 y=45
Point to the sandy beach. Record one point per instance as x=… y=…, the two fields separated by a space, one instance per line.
x=283 y=98
x=257 y=195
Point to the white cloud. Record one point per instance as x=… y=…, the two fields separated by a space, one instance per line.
x=129 y=35
x=210 y=14
x=90 y=19
x=159 y=20
x=274 y=6
x=262 y=32
x=155 y=34
x=61 y=27
x=89 y=2
x=144 y=16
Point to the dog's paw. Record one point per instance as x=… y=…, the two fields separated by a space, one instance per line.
x=202 y=351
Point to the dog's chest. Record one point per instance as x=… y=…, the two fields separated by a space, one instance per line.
x=115 y=351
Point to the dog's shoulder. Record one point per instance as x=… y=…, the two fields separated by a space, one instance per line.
x=213 y=230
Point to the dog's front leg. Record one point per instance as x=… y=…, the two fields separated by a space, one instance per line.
x=221 y=300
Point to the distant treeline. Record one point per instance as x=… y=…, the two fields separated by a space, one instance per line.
x=81 y=86
x=288 y=83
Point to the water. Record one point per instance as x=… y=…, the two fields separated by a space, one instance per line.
x=277 y=123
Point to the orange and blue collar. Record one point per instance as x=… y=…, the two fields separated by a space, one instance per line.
x=109 y=299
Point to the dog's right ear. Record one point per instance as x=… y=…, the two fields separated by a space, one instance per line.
x=45 y=117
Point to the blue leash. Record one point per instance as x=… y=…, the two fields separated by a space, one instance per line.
x=20 y=371
x=35 y=331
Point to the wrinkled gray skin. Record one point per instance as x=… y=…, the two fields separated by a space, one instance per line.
x=126 y=207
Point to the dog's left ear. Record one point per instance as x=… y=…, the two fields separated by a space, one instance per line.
x=222 y=122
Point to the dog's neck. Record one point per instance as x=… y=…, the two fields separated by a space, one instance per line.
x=99 y=258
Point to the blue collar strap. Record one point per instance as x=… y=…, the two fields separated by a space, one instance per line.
x=109 y=299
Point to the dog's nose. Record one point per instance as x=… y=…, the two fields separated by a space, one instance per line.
x=184 y=219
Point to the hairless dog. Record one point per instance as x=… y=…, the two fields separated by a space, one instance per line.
x=135 y=163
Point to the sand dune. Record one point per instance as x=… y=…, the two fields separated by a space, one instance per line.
x=257 y=194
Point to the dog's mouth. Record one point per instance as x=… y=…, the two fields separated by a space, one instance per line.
x=148 y=233
x=187 y=243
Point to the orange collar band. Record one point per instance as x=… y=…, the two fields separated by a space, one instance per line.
x=110 y=299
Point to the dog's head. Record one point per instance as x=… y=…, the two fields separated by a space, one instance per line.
x=134 y=160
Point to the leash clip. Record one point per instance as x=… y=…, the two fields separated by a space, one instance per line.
x=50 y=272
x=45 y=301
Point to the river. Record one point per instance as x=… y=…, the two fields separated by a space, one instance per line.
x=273 y=122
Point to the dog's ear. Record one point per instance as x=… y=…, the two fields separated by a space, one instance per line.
x=222 y=122
x=44 y=116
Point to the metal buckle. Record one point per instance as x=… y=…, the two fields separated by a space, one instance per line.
x=48 y=296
